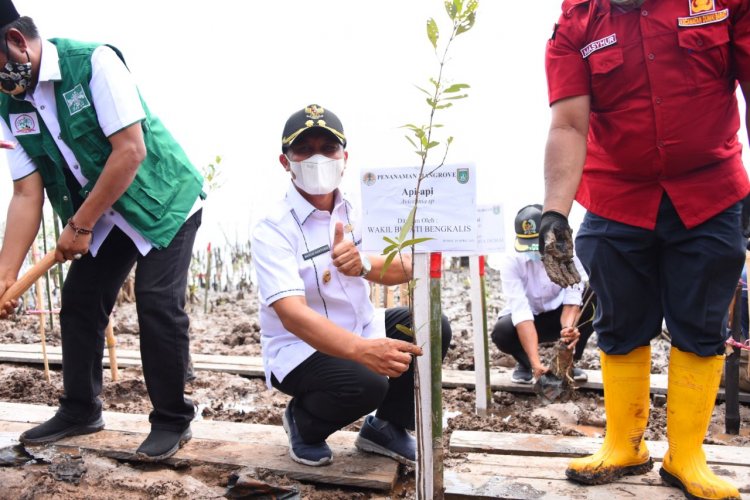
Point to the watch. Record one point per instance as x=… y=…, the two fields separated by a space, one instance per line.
x=366 y=265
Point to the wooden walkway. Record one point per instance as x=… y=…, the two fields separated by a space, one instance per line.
x=218 y=442
x=532 y=466
x=251 y=366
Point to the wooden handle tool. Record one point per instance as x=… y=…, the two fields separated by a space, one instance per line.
x=29 y=278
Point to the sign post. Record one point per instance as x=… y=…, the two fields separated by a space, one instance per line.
x=446 y=213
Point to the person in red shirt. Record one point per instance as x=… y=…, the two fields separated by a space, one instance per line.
x=644 y=136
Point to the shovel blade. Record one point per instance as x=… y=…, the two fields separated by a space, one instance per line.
x=549 y=388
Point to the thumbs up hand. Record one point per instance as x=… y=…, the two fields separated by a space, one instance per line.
x=344 y=253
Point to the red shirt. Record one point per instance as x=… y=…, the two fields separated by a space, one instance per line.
x=664 y=115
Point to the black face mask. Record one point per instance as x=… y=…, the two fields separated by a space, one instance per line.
x=15 y=77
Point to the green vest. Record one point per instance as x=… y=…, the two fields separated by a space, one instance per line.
x=166 y=184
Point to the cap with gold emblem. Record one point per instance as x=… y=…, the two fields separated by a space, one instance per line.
x=527 y=228
x=8 y=12
x=311 y=116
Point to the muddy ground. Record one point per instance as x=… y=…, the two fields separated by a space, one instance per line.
x=231 y=327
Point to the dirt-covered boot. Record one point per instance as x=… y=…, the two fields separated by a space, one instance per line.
x=691 y=394
x=626 y=379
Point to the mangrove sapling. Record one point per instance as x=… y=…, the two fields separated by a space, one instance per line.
x=439 y=96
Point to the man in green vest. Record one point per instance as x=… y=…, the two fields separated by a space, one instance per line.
x=76 y=127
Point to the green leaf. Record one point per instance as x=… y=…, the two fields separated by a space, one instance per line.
x=389 y=249
x=453 y=98
x=450 y=9
x=456 y=87
x=432 y=144
x=389 y=240
x=449 y=140
x=405 y=330
x=387 y=263
x=443 y=106
x=467 y=24
x=434 y=82
x=411 y=141
x=408 y=224
x=459 y=6
x=431 y=102
x=415 y=241
x=423 y=90
x=432 y=32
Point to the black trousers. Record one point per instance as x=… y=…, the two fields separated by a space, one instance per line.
x=88 y=297
x=684 y=276
x=329 y=393
x=505 y=335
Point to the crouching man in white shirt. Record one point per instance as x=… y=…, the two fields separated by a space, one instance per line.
x=323 y=342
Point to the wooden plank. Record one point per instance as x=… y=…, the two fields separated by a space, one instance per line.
x=507 y=443
x=217 y=442
x=252 y=366
x=503 y=476
x=500 y=381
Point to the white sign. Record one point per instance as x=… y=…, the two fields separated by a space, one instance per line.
x=490 y=229
x=446 y=208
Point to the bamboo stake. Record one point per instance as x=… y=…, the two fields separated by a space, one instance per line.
x=479 y=325
x=436 y=375
x=208 y=279
x=422 y=378
x=109 y=334
x=42 y=318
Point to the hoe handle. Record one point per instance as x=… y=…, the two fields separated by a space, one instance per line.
x=29 y=278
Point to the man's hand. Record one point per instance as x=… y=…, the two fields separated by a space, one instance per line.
x=539 y=370
x=570 y=336
x=7 y=308
x=389 y=357
x=70 y=245
x=556 y=247
x=344 y=253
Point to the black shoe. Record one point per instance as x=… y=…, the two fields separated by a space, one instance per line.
x=385 y=438
x=161 y=444
x=522 y=375
x=57 y=428
x=315 y=454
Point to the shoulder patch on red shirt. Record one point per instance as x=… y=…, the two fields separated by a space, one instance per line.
x=700 y=20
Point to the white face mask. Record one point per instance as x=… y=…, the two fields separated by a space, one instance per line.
x=317 y=174
x=534 y=256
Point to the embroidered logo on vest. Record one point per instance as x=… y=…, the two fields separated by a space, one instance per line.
x=76 y=99
x=24 y=123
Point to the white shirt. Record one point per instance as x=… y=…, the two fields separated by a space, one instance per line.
x=292 y=257
x=116 y=100
x=528 y=290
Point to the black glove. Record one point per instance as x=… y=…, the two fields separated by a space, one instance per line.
x=556 y=247
x=746 y=217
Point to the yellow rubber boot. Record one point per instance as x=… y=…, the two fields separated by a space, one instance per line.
x=626 y=380
x=691 y=393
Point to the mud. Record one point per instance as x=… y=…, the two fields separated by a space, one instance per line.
x=230 y=327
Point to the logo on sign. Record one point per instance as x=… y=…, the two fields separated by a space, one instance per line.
x=462 y=175
x=368 y=178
